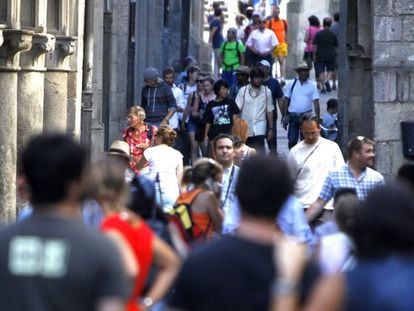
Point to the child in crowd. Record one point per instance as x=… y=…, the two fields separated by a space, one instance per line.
x=329 y=126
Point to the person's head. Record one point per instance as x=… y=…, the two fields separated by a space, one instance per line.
x=262 y=23
x=310 y=128
x=221 y=88
x=189 y=61
x=208 y=85
x=275 y=11
x=386 y=221
x=406 y=174
x=327 y=22
x=232 y=34
x=142 y=199
x=193 y=73
x=332 y=105
x=258 y=178
x=106 y=183
x=265 y=66
x=218 y=12
x=53 y=167
x=169 y=75
x=249 y=12
x=360 y=151
x=205 y=171
x=223 y=146
x=135 y=116
x=151 y=76
x=336 y=17
x=216 y=4
x=242 y=75
x=256 y=17
x=314 y=21
x=256 y=77
x=240 y=19
x=165 y=135
x=120 y=151
x=347 y=206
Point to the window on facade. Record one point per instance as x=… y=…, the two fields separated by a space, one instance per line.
x=27 y=13
x=53 y=15
x=3 y=11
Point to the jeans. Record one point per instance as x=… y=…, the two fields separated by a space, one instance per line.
x=294 y=129
x=229 y=77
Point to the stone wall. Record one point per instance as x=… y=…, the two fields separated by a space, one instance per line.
x=393 y=78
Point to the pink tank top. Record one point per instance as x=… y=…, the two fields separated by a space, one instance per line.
x=312 y=32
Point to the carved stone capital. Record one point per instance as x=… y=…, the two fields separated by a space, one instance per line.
x=34 y=59
x=1 y=34
x=59 y=59
x=15 y=41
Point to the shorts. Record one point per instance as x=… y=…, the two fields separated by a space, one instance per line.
x=321 y=66
x=281 y=50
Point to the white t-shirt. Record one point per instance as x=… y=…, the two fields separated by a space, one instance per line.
x=166 y=162
x=179 y=98
x=254 y=109
x=310 y=175
x=263 y=41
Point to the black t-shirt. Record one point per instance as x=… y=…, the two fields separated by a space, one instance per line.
x=220 y=116
x=229 y=274
x=49 y=263
x=326 y=42
x=276 y=90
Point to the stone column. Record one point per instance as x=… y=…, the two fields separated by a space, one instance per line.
x=56 y=85
x=294 y=9
x=15 y=41
x=30 y=95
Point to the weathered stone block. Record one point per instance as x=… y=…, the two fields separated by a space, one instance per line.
x=383 y=7
x=403 y=86
x=387 y=28
x=412 y=86
x=388 y=117
x=384 y=86
x=397 y=156
x=383 y=158
x=392 y=54
x=404 y=7
x=408 y=28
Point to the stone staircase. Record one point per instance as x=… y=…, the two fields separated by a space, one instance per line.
x=223 y=6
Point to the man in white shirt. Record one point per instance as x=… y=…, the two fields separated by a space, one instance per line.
x=300 y=96
x=311 y=160
x=255 y=103
x=261 y=43
x=224 y=154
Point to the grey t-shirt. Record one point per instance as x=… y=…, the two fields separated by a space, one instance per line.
x=51 y=263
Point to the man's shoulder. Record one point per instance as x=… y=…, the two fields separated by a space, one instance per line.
x=374 y=175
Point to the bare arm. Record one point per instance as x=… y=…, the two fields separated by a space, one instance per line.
x=208 y=125
x=168 y=116
x=168 y=265
x=215 y=212
x=212 y=32
x=315 y=209
x=280 y=104
x=328 y=294
x=306 y=36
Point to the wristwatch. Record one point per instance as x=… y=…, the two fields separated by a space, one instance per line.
x=147 y=302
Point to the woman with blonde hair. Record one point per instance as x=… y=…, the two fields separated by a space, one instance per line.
x=165 y=166
x=204 y=180
x=139 y=246
x=139 y=136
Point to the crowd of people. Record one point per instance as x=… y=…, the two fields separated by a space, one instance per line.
x=194 y=209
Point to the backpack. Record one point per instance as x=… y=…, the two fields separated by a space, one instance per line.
x=237 y=51
x=181 y=216
x=284 y=23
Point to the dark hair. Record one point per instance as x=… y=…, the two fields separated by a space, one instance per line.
x=336 y=17
x=386 y=222
x=209 y=79
x=168 y=71
x=222 y=136
x=356 y=143
x=258 y=178
x=188 y=60
x=50 y=163
x=309 y=117
x=347 y=207
x=257 y=72
x=203 y=169
x=343 y=191
x=332 y=103
x=192 y=69
x=218 y=12
x=314 y=21
x=327 y=22
x=237 y=141
x=218 y=85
